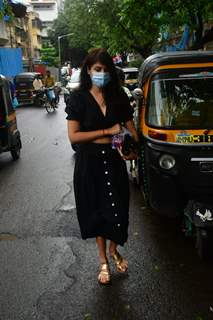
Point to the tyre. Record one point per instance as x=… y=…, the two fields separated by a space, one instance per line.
x=187 y=227
x=50 y=107
x=15 y=154
x=204 y=243
x=57 y=99
x=53 y=104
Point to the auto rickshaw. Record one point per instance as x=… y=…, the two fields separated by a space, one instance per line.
x=175 y=125
x=10 y=139
x=131 y=77
x=24 y=87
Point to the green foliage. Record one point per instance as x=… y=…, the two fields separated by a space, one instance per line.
x=60 y=27
x=49 y=56
x=128 y=25
x=135 y=63
x=6 y=10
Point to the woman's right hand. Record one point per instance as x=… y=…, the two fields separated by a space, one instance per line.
x=113 y=130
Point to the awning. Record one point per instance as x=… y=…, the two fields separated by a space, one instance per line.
x=18 y=8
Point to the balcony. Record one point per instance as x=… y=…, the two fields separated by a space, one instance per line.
x=45 y=2
x=3 y=34
x=36 y=24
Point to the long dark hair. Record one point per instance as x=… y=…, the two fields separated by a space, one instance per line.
x=100 y=55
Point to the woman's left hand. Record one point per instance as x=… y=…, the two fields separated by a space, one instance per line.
x=130 y=156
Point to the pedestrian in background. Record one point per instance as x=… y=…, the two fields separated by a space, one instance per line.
x=13 y=93
x=95 y=113
x=37 y=83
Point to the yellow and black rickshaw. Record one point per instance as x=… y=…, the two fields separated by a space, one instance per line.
x=10 y=139
x=24 y=87
x=175 y=124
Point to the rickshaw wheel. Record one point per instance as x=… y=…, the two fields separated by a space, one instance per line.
x=15 y=154
x=204 y=243
x=146 y=199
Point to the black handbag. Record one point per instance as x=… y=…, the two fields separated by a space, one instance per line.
x=129 y=145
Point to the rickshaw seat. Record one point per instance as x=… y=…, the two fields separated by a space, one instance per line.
x=187 y=117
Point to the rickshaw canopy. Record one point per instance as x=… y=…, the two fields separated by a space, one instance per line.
x=171 y=58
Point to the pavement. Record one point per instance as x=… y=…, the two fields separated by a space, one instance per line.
x=47 y=272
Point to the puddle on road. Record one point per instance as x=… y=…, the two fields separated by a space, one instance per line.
x=7 y=236
x=67 y=225
x=66 y=207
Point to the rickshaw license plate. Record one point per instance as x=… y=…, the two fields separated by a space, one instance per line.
x=196 y=138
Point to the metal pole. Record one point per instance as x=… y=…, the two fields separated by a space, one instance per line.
x=59 y=57
x=59 y=50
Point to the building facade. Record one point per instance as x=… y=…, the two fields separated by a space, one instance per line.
x=60 y=4
x=3 y=33
x=48 y=12
x=34 y=30
x=23 y=32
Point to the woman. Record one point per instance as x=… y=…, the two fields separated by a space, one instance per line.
x=96 y=111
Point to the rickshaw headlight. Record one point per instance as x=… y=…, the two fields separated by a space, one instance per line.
x=167 y=161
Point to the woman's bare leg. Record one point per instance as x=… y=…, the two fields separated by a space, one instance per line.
x=104 y=275
x=123 y=264
x=112 y=248
x=101 y=242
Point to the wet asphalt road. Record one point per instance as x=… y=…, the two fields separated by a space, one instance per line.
x=48 y=273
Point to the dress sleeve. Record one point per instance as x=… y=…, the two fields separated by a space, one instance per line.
x=74 y=107
x=126 y=109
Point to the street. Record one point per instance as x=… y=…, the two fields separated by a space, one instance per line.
x=48 y=273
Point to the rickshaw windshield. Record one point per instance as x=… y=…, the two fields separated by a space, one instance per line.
x=131 y=75
x=182 y=101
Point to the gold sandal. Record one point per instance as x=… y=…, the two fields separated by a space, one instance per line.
x=104 y=273
x=118 y=259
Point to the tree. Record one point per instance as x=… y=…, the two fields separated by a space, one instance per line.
x=6 y=11
x=130 y=25
x=49 y=56
x=193 y=13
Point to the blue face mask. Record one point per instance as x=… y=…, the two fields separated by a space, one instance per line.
x=100 y=79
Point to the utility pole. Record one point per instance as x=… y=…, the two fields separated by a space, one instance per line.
x=59 y=51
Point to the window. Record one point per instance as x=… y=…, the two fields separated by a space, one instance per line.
x=42 y=7
x=36 y=23
x=185 y=101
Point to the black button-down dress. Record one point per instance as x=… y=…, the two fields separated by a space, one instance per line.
x=101 y=184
